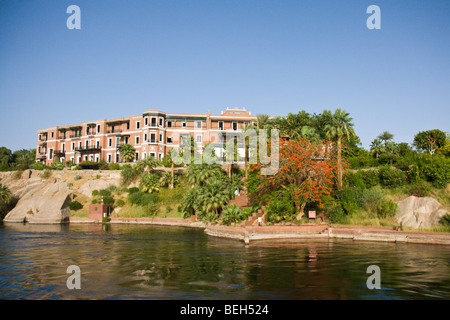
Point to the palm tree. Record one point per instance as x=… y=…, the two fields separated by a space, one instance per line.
x=340 y=127
x=150 y=162
x=213 y=196
x=262 y=120
x=149 y=183
x=386 y=136
x=377 y=147
x=127 y=152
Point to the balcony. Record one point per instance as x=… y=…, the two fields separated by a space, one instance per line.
x=59 y=153
x=88 y=149
x=74 y=136
x=114 y=131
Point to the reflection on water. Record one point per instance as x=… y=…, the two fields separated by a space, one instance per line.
x=156 y=262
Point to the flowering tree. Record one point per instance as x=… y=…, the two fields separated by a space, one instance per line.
x=306 y=173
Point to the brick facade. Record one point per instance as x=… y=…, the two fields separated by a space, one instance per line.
x=152 y=133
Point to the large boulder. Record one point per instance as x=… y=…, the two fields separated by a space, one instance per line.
x=45 y=203
x=420 y=212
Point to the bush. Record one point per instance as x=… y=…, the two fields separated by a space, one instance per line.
x=103 y=165
x=231 y=214
x=109 y=200
x=114 y=166
x=6 y=205
x=387 y=208
x=120 y=203
x=104 y=193
x=371 y=178
x=355 y=179
x=445 y=220
x=39 y=166
x=391 y=177
x=370 y=199
x=280 y=208
x=418 y=189
x=337 y=215
x=133 y=190
x=75 y=206
x=95 y=193
x=56 y=165
x=151 y=209
x=211 y=217
x=46 y=174
x=350 y=198
x=142 y=199
x=77 y=177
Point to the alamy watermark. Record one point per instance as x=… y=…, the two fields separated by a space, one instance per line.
x=74 y=280
x=251 y=143
x=374 y=280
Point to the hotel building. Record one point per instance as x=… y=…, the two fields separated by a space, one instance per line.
x=152 y=133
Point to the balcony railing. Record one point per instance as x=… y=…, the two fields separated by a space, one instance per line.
x=59 y=153
x=91 y=149
x=72 y=136
x=114 y=131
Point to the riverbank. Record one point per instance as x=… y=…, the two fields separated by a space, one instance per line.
x=249 y=234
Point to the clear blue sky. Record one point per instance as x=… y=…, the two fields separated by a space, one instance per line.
x=272 y=57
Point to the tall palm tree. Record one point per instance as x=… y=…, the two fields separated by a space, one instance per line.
x=262 y=120
x=386 y=136
x=377 y=147
x=150 y=162
x=127 y=152
x=340 y=127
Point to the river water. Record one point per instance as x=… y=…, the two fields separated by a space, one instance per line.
x=159 y=262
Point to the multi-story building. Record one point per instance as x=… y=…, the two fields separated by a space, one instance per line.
x=152 y=133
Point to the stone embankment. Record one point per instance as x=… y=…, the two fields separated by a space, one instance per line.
x=317 y=232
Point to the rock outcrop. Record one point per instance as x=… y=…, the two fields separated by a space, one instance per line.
x=45 y=200
x=420 y=212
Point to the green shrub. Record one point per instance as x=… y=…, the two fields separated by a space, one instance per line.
x=7 y=204
x=133 y=190
x=95 y=193
x=17 y=174
x=109 y=200
x=387 y=208
x=280 y=208
x=94 y=201
x=370 y=199
x=114 y=166
x=350 y=199
x=445 y=220
x=231 y=214
x=337 y=215
x=39 y=166
x=355 y=179
x=120 y=203
x=56 y=165
x=77 y=177
x=418 y=189
x=151 y=209
x=210 y=217
x=104 y=193
x=46 y=174
x=103 y=165
x=75 y=206
x=142 y=199
x=391 y=177
x=106 y=219
x=371 y=178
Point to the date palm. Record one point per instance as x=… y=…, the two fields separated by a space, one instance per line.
x=377 y=147
x=127 y=152
x=340 y=127
x=386 y=136
x=213 y=196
